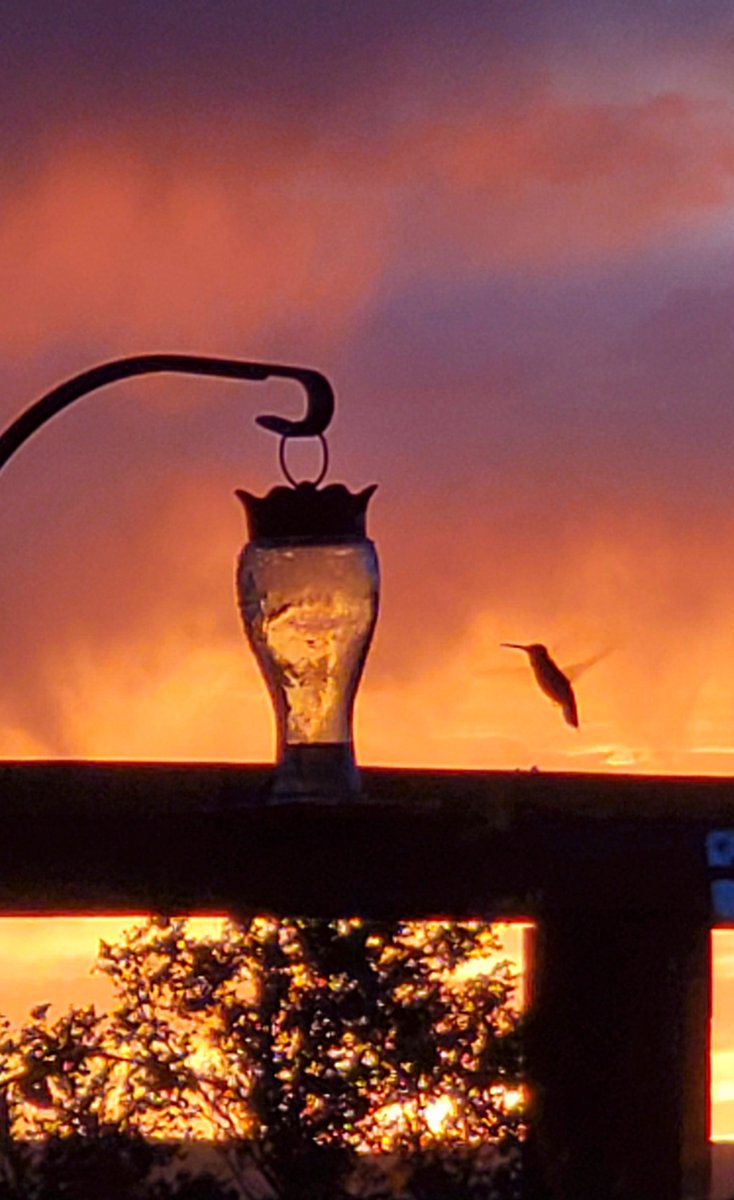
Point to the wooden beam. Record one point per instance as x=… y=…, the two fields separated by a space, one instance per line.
x=618 y=1047
x=103 y=837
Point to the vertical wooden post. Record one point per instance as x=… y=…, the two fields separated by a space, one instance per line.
x=618 y=1056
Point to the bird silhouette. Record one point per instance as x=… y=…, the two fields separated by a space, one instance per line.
x=550 y=679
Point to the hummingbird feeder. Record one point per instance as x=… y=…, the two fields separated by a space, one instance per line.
x=307 y=584
x=307 y=579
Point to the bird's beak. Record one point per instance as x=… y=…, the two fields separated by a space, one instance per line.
x=514 y=646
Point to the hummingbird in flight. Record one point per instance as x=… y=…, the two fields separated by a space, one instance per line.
x=550 y=679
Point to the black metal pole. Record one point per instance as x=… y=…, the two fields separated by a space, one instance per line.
x=319 y=393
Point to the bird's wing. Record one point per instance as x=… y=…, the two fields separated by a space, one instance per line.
x=577 y=669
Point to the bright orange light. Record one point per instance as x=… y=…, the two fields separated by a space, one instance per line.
x=722 y=1035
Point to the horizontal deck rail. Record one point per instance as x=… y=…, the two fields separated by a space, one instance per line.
x=125 y=837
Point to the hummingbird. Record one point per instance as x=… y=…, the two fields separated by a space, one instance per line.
x=550 y=679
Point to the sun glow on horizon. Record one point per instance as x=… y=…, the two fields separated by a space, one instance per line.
x=722 y=1035
x=50 y=960
x=195 y=693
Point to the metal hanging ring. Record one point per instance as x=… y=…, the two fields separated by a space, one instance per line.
x=324 y=463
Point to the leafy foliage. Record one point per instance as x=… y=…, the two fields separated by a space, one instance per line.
x=319 y=1057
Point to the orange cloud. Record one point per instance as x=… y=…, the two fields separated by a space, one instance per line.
x=142 y=238
x=129 y=242
x=141 y=655
x=553 y=181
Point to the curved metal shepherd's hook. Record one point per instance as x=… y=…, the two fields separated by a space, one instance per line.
x=319 y=407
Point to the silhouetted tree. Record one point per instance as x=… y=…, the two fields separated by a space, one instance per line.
x=293 y=1045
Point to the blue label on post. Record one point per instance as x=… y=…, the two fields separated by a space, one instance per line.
x=720 y=848
x=722 y=899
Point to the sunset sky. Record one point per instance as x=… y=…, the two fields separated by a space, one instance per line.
x=504 y=229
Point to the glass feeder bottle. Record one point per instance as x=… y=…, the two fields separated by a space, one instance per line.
x=308 y=588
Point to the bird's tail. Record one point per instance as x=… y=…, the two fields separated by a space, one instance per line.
x=570 y=711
